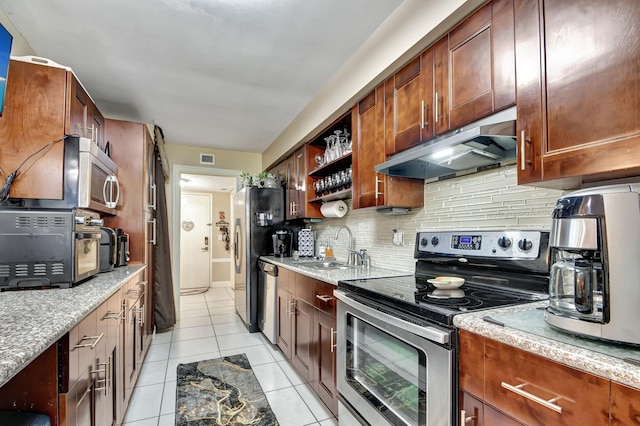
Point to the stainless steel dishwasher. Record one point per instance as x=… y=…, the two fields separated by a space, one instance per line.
x=268 y=300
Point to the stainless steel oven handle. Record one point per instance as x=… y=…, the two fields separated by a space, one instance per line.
x=428 y=332
x=87 y=236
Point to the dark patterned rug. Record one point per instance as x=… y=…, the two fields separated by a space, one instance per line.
x=221 y=391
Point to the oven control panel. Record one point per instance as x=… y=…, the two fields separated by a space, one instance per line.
x=496 y=244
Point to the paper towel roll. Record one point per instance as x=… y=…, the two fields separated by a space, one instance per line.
x=334 y=209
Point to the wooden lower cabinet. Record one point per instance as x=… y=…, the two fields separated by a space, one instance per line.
x=306 y=331
x=511 y=379
x=80 y=380
x=625 y=405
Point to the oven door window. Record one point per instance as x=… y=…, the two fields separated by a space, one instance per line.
x=387 y=371
x=87 y=256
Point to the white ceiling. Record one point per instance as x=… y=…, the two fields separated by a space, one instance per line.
x=227 y=74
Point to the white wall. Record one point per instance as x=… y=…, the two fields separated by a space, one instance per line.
x=489 y=200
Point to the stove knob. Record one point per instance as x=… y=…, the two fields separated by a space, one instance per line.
x=504 y=242
x=424 y=242
x=525 y=245
x=435 y=241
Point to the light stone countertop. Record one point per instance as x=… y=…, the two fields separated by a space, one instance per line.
x=583 y=354
x=332 y=275
x=33 y=320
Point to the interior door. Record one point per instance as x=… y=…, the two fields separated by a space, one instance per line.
x=195 y=236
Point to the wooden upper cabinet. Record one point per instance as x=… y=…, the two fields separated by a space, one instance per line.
x=409 y=104
x=474 y=67
x=34 y=114
x=43 y=103
x=297 y=193
x=578 y=103
x=129 y=143
x=368 y=149
x=371 y=189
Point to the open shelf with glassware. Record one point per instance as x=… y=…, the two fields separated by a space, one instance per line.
x=330 y=159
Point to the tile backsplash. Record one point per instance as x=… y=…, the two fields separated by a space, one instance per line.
x=489 y=200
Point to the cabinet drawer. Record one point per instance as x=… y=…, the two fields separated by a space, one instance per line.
x=323 y=298
x=515 y=378
x=304 y=288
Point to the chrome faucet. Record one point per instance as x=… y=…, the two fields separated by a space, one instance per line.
x=351 y=249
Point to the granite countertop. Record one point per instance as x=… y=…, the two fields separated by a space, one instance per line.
x=332 y=275
x=33 y=320
x=524 y=328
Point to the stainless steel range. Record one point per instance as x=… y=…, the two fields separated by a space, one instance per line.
x=397 y=347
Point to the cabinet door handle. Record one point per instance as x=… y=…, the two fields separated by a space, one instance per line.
x=154 y=231
x=154 y=196
x=425 y=115
x=464 y=419
x=324 y=298
x=89 y=345
x=292 y=308
x=422 y=119
x=140 y=311
x=378 y=182
x=436 y=108
x=333 y=339
x=518 y=389
x=523 y=145
x=112 y=315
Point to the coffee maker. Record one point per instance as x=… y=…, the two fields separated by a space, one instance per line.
x=594 y=287
x=282 y=243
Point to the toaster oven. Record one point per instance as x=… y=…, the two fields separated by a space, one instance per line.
x=48 y=248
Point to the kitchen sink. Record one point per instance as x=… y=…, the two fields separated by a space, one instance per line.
x=325 y=265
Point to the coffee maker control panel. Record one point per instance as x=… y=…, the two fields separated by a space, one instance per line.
x=494 y=244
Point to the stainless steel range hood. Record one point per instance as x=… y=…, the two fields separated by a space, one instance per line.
x=487 y=142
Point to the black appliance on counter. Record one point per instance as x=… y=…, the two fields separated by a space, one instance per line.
x=282 y=243
x=108 y=249
x=122 y=247
x=397 y=346
x=48 y=248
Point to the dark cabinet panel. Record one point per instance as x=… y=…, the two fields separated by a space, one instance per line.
x=578 y=107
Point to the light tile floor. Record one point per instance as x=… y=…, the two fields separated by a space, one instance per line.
x=209 y=328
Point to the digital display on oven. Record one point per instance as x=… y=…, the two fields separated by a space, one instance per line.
x=466 y=242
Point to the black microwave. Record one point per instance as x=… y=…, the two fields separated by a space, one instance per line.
x=90 y=180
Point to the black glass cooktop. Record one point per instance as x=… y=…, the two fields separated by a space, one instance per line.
x=414 y=295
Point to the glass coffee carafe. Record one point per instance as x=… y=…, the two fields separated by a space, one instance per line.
x=577 y=285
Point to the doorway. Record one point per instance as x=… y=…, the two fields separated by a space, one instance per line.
x=218 y=180
x=195 y=238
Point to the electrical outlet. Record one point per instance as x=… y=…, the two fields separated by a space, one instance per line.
x=398 y=237
x=219 y=237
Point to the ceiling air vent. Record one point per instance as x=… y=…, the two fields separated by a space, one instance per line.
x=207 y=159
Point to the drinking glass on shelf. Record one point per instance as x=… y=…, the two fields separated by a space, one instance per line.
x=319 y=160
x=327 y=152
x=337 y=144
x=346 y=142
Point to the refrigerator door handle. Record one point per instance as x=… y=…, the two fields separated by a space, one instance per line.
x=236 y=247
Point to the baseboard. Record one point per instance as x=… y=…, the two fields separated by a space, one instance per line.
x=221 y=284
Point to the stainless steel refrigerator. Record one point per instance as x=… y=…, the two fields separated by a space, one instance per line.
x=258 y=212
